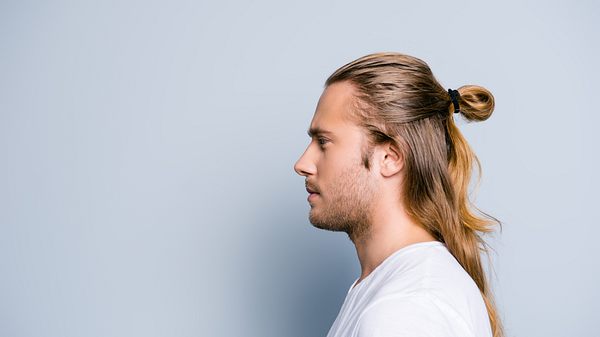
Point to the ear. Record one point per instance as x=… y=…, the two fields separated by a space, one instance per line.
x=392 y=160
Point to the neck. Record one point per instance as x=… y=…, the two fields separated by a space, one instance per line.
x=391 y=229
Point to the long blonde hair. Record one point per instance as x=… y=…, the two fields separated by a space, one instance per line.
x=400 y=102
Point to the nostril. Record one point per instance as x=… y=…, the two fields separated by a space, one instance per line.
x=300 y=168
x=301 y=173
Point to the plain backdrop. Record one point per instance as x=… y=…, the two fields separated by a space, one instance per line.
x=147 y=151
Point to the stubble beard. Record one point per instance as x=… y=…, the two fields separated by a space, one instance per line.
x=349 y=202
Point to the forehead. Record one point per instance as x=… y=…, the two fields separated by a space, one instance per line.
x=333 y=110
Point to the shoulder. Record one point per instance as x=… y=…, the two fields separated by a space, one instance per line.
x=416 y=315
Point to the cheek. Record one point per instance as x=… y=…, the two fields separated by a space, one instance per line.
x=329 y=169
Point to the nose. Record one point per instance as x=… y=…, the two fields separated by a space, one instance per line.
x=305 y=166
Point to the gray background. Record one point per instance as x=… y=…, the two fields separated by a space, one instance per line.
x=147 y=151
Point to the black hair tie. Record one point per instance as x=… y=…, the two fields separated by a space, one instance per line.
x=454 y=96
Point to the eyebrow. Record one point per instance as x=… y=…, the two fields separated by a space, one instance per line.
x=317 y=131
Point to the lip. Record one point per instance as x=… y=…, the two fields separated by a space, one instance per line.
x=312 y=196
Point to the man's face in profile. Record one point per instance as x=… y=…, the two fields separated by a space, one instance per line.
x=332 y=166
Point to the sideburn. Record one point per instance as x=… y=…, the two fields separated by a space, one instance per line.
x=375 y=137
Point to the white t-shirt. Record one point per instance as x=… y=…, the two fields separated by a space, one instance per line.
x=419 y=291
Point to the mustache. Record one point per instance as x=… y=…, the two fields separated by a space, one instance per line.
x=311 y=187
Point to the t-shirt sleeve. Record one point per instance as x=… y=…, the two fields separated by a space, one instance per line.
x=414 y=316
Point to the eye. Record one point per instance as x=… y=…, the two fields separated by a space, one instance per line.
x=322 y=141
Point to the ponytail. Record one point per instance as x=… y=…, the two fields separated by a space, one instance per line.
x=476 y=104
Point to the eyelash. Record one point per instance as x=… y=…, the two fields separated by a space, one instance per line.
x=319 y=141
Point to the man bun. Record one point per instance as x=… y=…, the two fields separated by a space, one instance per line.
x=476 y=103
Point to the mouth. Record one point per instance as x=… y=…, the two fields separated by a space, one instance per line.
x=312 y=195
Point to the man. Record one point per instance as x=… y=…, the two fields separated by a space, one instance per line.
x=387 y=165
